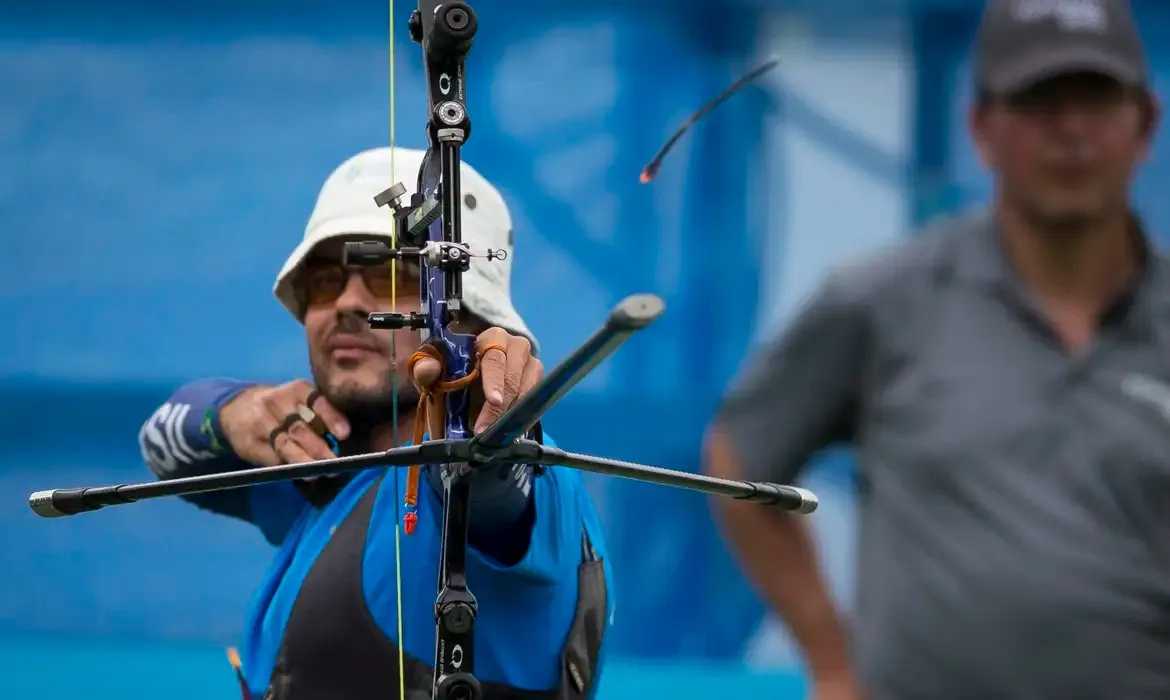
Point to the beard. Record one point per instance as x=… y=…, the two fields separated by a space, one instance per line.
x=369 y=408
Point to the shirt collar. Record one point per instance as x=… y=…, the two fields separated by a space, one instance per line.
x=981 y=259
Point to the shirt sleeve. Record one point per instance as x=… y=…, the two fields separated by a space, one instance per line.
x=800 y=392
x=502 y=508
x=183 y=439
x=558 y=509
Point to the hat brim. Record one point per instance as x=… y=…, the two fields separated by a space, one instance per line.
x=1047 y=65
x=482 y=295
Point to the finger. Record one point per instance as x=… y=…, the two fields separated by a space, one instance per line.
x=289 y=451
x=298 y=390
x=261 y=454
x=518 y=360
x=309 y=442
x=254 y=447
x=519 y=356
x=277 y=405
x=281 y=403
x=426 y=372
x=334 y=419
x=493 y=367
x=533 y=373
x=489 y=414
x=305 y=394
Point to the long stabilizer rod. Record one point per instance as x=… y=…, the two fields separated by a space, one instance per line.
x=497 y=444
x=57 y=503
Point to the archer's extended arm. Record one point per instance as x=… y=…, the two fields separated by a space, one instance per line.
x=502 y=510
x=183 y=438
x=559 y=506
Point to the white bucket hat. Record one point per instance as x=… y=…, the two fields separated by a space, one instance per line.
x=346 y=207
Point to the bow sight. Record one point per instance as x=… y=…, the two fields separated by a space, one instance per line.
x=428 y=231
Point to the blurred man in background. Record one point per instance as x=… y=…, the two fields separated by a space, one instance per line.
x=1005 y=378
x=324 y=623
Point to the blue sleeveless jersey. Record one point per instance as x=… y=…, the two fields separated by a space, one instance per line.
x=525 y=611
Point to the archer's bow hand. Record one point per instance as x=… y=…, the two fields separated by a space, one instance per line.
x=507 y=370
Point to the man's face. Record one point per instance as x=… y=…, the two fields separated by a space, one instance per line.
x=1064 y=151
x=351 y=363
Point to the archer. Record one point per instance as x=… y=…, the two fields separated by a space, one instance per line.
x=324 y=622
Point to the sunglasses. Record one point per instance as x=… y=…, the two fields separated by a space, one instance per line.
x=322 y=282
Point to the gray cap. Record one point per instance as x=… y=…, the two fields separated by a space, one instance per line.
x=1023 y=42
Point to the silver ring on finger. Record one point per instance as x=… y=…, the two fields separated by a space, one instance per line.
x=314 y=421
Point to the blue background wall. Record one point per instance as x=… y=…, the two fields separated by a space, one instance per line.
x=159 y=162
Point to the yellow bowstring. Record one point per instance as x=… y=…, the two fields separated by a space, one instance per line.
x=394 y=382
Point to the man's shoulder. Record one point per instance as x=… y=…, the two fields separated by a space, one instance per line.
x=905 y=266
x=1157 y=293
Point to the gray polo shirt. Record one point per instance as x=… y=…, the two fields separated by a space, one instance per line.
x=1015 y=499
